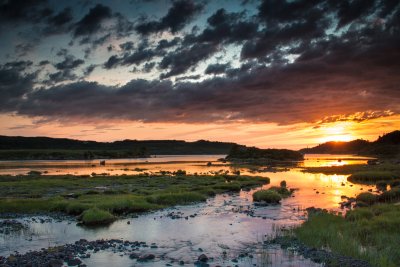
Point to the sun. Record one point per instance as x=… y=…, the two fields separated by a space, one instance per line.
x=337 y=132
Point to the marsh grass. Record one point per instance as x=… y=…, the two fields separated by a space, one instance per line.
x=371 y=233
x=353 y=168
x=96 y=216
x=372 y=176
x=113 y=194
x=367 y=198
x=273 y=195
x=268 y=196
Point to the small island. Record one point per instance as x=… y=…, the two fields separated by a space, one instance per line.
x=254 y=155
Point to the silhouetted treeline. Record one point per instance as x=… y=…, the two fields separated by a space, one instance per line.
x=125 y=148
x=244 y=152
x=386 y=145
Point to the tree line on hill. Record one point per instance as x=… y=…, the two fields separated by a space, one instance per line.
x=387 y=145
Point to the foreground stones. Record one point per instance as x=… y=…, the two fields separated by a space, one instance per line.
x=327 y=258
x=73 y=254
x=9 y=226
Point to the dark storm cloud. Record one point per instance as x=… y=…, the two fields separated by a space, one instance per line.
x=181 y=13
x=299 y=61
x=217 y=68
x=69 y=63
x=13 y=85
x=12 y=11
x=62 y=18
x=135 y=58
x=350 y=11
x=148 y=67
x=127 y=46
x=61 y=76
x=229 y=27
x=19 y=65
x=44 y=62
x=164 y=44
x=91 y=22
x=296 y=93
x=111 y=62
x=88 y=70
x=181 y=60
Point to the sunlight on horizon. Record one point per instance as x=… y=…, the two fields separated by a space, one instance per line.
x=338 y=132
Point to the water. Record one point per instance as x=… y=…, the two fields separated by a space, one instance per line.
x=222 y=227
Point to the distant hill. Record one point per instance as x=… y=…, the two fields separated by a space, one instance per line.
x=239 y=152
x=15 y=147
x=386 y=145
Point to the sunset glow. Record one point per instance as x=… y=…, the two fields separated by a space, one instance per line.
x=338 y=132
x=190 y=70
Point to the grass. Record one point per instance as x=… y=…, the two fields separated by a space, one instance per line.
x=372 y=176
x=362 y=173
x=370 y=233
x=96 y=216
x=367 y=198
x=268 y=196
x=353 y=168
x=116 y=195
x=273 y=195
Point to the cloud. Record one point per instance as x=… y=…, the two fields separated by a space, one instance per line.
x=69 y=63
x=180 y=60
x=301 y=92
x=17 y=11
x=358 y=116
x=91 y=22
x=14 y=85
x=227 y=27
x=20 y=65
x=291 y=61
x=217 y=68
x=176 y=19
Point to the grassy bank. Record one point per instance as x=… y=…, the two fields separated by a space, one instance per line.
x=273 y=195
x=361 y=173
x=370 y=233
x=88 y=197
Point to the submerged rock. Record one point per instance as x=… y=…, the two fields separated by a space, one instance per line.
x=202 y=258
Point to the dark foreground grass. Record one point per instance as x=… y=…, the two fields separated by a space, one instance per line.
x=115 y=195
x=370 y=233
x=373 y=176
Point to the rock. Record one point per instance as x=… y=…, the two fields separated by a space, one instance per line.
x=73 y=262
x=147 y=257
x=134 y=256
x=55 y=263
x=202 y=258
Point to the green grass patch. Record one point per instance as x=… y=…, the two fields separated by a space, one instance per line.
x=371 y=233
x=170 y=199
x=282 y=191
x=268 y=196
x=367 y=198
x=115 y=194
x=96 y=216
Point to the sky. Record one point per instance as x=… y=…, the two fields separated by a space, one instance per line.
x=267 y=73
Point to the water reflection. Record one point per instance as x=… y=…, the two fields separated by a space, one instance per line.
x=190 y=163
x=222 y=223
